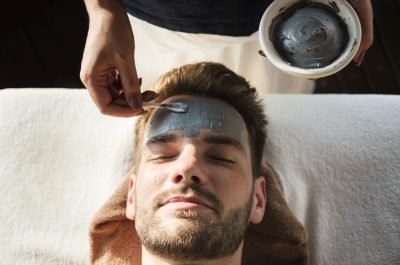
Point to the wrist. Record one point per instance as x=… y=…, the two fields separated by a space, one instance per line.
x=99 y=8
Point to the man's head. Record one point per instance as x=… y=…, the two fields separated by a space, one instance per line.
x=196 y=183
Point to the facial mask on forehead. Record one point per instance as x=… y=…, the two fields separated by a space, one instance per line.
x=203 y=113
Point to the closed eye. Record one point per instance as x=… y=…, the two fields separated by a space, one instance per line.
x=162 y=158
x=222 y=159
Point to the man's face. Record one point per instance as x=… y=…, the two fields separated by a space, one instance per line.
x=194 y=194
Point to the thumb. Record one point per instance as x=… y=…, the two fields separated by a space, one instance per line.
x=131 y=85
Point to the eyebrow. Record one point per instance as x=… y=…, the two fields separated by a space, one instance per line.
x=162 y=139
x=223 y=140
x=209 y=139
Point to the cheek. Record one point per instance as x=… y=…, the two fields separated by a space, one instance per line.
x=234 y=188
x=224 y=183
x=147 y=185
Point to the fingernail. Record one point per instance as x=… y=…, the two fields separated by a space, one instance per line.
x=149 y=95
x=358 y=63
x=135 y=102
x=153 y=96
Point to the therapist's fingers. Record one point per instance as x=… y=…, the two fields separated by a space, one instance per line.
x=131 y=85
x=149 y=95
x=146 y=96
x=103 y=89
x=119 y=96
x=117 y=91
x=109 y=107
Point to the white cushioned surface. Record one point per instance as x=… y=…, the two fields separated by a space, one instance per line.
x=338 y=157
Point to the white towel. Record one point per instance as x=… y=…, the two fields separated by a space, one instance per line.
x=339 y=160
x=59 y=161
x=337 y=156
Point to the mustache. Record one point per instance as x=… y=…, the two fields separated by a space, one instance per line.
x=192 y=189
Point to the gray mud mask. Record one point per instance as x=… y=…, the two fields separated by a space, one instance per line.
x=310 y=35
x=203 y=113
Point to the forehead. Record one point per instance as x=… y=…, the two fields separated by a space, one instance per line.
x=202 y=113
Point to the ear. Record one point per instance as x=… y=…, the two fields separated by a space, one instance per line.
x=259 y=200
x=130 y=202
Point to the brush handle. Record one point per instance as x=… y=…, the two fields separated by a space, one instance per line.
x=121 y=101
x=151 y=105
x=171 y=106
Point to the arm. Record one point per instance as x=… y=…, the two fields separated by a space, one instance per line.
x=365 y=14
x=109 y=52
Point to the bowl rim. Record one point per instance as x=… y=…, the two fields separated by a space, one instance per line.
x=277 y=7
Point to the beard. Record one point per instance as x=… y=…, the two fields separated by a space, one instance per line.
x=198 y=237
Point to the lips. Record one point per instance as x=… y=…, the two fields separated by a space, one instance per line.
x=186 y=199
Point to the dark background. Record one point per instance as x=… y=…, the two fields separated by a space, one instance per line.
x=42 y=41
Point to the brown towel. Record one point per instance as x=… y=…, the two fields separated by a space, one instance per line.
x=279 y=239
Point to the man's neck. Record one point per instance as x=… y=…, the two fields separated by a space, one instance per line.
x=150 y=259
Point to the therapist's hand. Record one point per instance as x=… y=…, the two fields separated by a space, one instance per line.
x=108 y=66
x=365 y=14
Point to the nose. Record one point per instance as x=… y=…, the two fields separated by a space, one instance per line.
x=188 y=168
